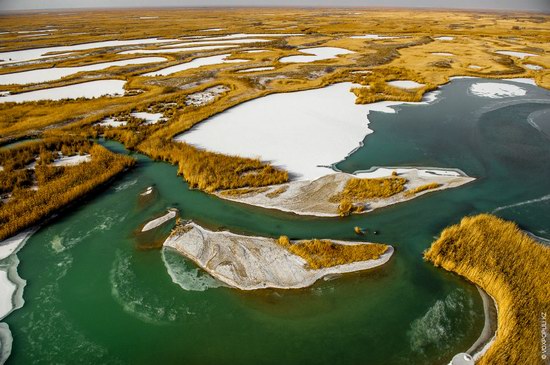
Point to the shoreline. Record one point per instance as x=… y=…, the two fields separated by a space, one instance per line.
x=252 y=262
x=490 y=327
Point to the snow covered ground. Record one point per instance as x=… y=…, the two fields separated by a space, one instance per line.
x=90 y=89
x=257 y=69
x=373 y=36
x=197 y=62
x=316 y=54
x=54 y=73
x=175 y=50
x=149 y=118
x=206 y=96
x=405 y=84
x=533 y=67
x=72 y=160
x=303 y=132
x=37 y=53
x=496 y=90
x=110 y=122
x=516 y=54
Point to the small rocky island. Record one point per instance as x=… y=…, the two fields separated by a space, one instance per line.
x=248 y=262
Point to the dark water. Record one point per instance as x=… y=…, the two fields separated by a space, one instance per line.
x=94 y=297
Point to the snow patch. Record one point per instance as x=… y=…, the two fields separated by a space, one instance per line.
x=90 y=89
x=257 y=69
x=316 y=54
x=206 y=96
x=496 y=90
x=533 y=67
x=405 y=84
x=149 y=118
x=197 y=62
x=50 y=74
x=516 y=54
x=374 y=36
x=303 y=132
x=72 y=160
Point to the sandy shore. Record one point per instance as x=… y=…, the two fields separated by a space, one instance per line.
x=249 y=263
x=312 y=197
x=488 y=334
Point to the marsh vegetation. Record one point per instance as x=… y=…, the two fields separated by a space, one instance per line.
x=509 y=265
x=325 y=253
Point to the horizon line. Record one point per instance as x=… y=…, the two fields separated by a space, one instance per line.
x=193 y=7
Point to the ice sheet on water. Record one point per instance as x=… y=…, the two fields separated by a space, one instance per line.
x=185 y=274
x=435 y=329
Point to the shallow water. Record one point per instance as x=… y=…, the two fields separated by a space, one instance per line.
x=92 y=295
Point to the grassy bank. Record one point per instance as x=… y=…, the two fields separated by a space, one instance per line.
x=35 y=194
x=211 y=171
x=510 y=266
x=357 y=191
x=325 y=253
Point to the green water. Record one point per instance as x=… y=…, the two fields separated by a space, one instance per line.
x=93 y=297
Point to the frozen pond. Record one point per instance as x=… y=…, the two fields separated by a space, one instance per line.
x=50 y=74
x=276 y=124
x=496 y=90
x=533 y=67
x=174 y=50
x=91 y=89
x=257 y=69
x=38 y=53
x=516 y=54
x=149 y=118
x=316 y=54
x=405 y=84
x=246 y=35
x=206 y=42
x=197 y=62
x=373 y=36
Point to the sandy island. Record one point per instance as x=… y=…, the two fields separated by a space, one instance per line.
x=313 y=197
x=248 y=262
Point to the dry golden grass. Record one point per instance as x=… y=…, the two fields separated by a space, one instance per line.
x=275 y=193
x=243 y=191
x=357 y=189
x=408 y=57
x=422 y=188
x=57 y=186
x=513 y=268
x=211 y=171
x=325 y=253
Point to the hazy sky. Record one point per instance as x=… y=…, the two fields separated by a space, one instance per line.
x=530 y=5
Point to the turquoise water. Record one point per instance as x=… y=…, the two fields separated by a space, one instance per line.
x=94 y=295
